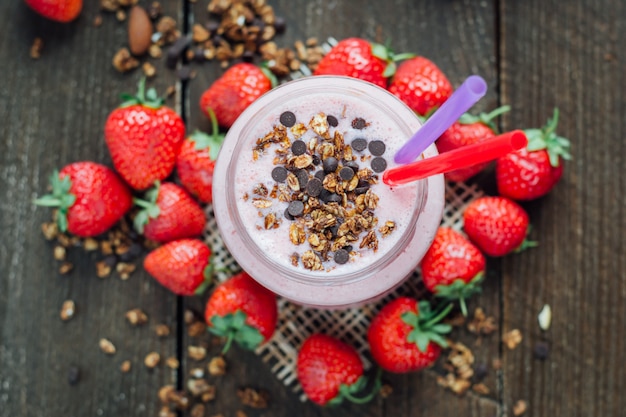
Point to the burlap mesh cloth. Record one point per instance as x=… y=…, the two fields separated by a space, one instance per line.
x=296 y=323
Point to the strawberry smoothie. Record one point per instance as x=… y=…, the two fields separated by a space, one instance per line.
x=299 y=200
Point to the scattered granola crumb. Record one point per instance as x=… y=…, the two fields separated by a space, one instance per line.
x=136 y=317
x=199 y=387
x=59 y=253
x=162 y=330
x=545 y=317
x=120 y=15
x=125 y=366
x=240 y=413
x=148 y=69
x=36 y=48
x=90 y=244
x=172 y=362
x=385 y=390
x=197 y=353
x=152 y=359
x=217 y=366
x=197 y=410
x=107 y=346
x=453 y=383
x=103 y=269
x=512 y=339
x=125 y=269
x=254 y=398
x=123 y=61
x=65 y=268
x=196 y=329
x=97 y=21
x=496 y=364
x=459 y=364
x=480 y=388
x=166 y=412
x=520 y=407
x=50 y=230
x=155 y=51
x=165 y=393
x=197 y=373
x=67 y=310
x=481 y=324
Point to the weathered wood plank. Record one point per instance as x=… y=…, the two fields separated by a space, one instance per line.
x=53 y=112
x=460 y=38
x=570 y=55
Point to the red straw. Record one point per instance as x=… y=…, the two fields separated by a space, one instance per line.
x=466 y=156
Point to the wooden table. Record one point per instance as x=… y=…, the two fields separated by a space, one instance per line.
x=534 y=54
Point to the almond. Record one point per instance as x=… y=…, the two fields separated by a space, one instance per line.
x=139 y=30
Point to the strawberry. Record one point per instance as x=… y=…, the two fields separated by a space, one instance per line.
x=453 y=267
x=169 y=213
x=358 y=58
x=497 y=225
x=421 y=85
x=330 y=371
x=182 y=266
x=59 y=10
x=532 y=172
x=144 y=137
x=90 y=197
x=406 y=335
x=240 y=309
x=196 y=161
x=469 y=129
x=234 y=91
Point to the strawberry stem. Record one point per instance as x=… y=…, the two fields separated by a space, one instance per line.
x=460 y=291
x=148 y=98
x=347 y=391
x=60 y=197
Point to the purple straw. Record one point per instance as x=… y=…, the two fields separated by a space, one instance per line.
x=472 y=89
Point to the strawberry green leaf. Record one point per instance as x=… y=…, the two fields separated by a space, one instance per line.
x=426 y=326
x=264 y=67
x=350 y=392
x=390 y=69
x=484 y=118
x=149 y=208
x=213 y=142
x=147 y=99
x=460 y=291
x=546 y=138
x=233 y=327
x=380 y=51
x=60 y=198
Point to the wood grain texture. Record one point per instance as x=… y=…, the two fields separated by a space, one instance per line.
x=53 y=111
x=570 y=55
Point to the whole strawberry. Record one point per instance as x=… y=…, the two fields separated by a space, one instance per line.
x=90 y=198
x=453 y=267
x=196 y=162
x=182 y=266
x=330 y=371
x=169 y=213
x=406 y=335
x=421 y=85
x=144 y=137
x=358 y=58
x=469 y=129
x=59 y=10
x=532 y=172
x=497 y=225
x=234 y=91
x=241 y=310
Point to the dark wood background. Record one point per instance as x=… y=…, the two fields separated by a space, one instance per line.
x=535 y=55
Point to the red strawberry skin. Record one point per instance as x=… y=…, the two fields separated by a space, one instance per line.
x=450 y=257
x=353 y=57
x=180 y=216
x=387 y=336
x=234 y=91
x=195 y=170
x=459 y=135
x=241 y=292
x=421 y=85
x=59 y=10
x=323 y=364
x=102 y=198
x=179 y=265
x=144 y=142
x=526 y=175
x=497 y=225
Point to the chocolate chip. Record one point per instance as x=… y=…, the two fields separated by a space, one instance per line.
x=342 y=256
x=176 y=51
x=346 y=173
x=330 y=164
x=133 y=252
x=279 y=174
x=320 y=175
x=287 y=215
x=359 y=123
x=480 y=371
x=184 y=73
x=378 y=164
x=303 y=177
x=359 y=144
x=280 y=24
x=332 y=198
x=296 y=208
x=352 y=164
x=298 y=147
x=332 y=121
x=541 y=350
x=377 y=147
x=362 y=187
x=314 y=187
x=288 y=119
x=334 y=230
x=316 y=159
x=110 y=260
x=247 y=56
x=73 y=375
x=348 y=248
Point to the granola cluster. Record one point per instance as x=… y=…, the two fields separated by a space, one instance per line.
x=326 y=185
